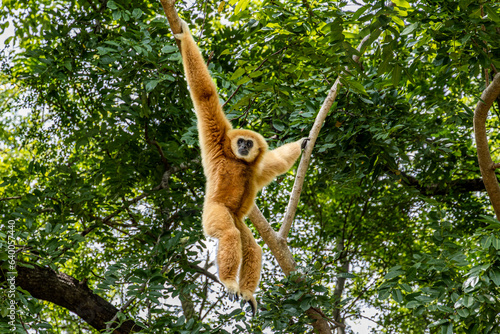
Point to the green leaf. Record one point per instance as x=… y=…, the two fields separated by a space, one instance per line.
x=151 y=84
x=137 y=13
x=305 y=304
x=425 y=299
x=384 y=294
x=448 y=329
x=491 y=13
x=278 y=125
x=409 y=29
x=169 y=49
x=463 y=312
x=238 y=73
x=112 y=5
x=393 y=274
x=243 y=80
x=438 y=322
x=397 y=296
x=495 y=277
x=242 y=5
x=413 y=304
x=356 y=86
x=495 y=242
x=396 y=75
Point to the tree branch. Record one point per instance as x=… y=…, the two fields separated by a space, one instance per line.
x=438 y=189
x=66 y=291
x=304 y=161
x=486 y=164
x=277 y=245
x=313 y=135
x=172 y=17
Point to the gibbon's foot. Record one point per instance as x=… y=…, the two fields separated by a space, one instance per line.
x=234 y=297
x=248 y=297
x=253 y=305
x=303 y=145
x=233 y=289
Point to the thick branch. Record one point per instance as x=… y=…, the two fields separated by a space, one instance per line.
x=486 y=164
x=278 y=246
x=66 y=291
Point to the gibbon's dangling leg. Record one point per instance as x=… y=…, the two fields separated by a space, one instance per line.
x=250 y=267
x=218 y=223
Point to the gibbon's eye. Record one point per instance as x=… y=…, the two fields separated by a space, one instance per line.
x=249 y=143
x=240 y=141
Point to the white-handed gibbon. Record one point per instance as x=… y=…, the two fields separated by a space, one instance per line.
x=237 y=164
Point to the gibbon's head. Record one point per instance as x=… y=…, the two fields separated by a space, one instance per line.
x=247 y=145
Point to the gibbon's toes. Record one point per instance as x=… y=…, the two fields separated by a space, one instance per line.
x=232 y=289
x=248 y=297
x=234 y=297
x=253 y=305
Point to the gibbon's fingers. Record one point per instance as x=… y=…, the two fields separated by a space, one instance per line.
x=305 y=140
x=185 y=30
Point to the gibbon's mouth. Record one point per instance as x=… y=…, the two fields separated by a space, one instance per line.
x=243 y=152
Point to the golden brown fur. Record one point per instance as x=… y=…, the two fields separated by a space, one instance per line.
x=233 y=179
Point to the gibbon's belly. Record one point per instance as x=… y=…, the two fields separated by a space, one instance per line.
x=232 y=187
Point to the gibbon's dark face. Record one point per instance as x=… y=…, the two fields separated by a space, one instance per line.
x=244 y=146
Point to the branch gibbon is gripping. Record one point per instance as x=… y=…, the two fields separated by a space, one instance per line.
x=237 y=164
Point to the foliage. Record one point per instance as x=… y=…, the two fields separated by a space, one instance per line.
x=95 y=113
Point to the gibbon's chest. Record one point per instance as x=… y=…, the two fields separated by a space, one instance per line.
x=232 y=183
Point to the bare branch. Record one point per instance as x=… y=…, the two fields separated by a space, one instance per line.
x=313 y=135
x=172 y=17
x=486 y=164
x=306 y=157
x=10 y=198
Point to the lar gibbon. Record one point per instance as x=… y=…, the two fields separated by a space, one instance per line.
x=237 y=164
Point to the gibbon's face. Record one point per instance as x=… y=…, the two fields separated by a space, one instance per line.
x=247 y=145
x=244 y=146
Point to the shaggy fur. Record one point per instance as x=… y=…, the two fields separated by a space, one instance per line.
x=233 y=180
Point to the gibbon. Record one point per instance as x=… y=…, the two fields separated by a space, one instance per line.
x=237 y=164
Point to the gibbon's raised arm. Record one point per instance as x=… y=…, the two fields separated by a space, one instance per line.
x=203 y=91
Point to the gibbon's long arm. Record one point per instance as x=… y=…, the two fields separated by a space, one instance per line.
x=212 y=123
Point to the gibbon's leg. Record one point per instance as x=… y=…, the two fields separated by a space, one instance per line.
x=250 y=267
x=218 y=222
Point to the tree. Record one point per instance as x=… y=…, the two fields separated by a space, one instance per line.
x=102 y=185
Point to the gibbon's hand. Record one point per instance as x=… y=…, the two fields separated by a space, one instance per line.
x=303 y=145
x=185 y=30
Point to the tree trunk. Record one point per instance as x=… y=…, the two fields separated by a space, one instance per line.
x=486 y=164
